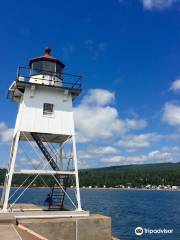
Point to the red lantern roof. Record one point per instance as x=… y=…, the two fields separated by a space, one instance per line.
x=46 y=57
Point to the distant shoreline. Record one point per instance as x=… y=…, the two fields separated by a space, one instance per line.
x=115 y=188
x=134 y=189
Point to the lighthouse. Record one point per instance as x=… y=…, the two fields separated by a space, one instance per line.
x=45 y=94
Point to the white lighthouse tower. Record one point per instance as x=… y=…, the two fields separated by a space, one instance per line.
x=44 y=120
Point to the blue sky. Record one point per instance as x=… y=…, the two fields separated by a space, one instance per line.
x=128 y=52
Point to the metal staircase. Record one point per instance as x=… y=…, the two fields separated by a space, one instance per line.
x=57 y=193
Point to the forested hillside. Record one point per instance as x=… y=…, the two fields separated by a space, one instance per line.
x=131 y=175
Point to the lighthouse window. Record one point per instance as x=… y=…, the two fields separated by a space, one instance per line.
x=48 y=109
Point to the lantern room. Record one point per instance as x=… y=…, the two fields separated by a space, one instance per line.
x=46 y=69
x=45 y=72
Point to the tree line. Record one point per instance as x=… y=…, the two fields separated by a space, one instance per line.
x=129 y=175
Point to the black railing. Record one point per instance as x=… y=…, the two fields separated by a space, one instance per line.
x=65 y=80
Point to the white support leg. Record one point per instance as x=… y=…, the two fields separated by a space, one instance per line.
x=76 y=173
x=8 y=180
x=5 y=181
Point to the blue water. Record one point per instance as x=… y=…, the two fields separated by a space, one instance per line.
x=128 y=209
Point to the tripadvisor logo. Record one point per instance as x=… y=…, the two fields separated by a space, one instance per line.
x=140 y=231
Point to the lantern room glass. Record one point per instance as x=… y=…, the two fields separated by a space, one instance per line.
x=47 y=68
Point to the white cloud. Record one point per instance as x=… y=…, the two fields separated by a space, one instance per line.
x=168 y=154
x=162 y=156
x=99 y=97
x=124 y=160
x=135 y=123
x=157 y=4
x=95 y=123
x=140 y=141
x=171 y=114
x=146 y=140
x=25 y=163
x=5 y=133
x=105 y=150
x=92 y=152
x=115 y=159
x=175 y=86
x=96 y=119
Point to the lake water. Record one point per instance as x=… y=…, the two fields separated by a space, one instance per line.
x=129 y=209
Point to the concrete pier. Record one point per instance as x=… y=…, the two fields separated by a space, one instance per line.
x=8 y=232
x=46 y=225
x=93 y=227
